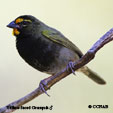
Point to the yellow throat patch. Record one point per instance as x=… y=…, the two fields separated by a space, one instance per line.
x=19 y=20
x=15 y=32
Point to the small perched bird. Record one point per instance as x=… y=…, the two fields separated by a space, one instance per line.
x=45 y=48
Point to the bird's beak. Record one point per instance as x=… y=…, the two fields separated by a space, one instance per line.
x=13 y=25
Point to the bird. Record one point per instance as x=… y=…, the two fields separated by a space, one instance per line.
x=47 y=49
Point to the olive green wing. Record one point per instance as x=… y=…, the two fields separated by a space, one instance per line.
x=57 y=37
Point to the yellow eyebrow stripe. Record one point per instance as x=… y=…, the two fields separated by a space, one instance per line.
x=27 y=20
x=19 y=20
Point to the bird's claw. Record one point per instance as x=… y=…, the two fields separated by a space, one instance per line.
x=43 y=84
x=70 y=66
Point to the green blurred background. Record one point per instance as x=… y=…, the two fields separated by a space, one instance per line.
x=83 y=22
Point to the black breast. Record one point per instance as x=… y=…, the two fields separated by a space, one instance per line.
x=38 y=53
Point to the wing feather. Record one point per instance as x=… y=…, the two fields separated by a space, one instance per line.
x=57 y=37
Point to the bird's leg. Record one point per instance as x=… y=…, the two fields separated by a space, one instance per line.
x=70 y=66
x=43 y=83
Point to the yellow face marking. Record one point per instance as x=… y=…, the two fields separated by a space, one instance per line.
x=27 y=20
x=19 y=20
x=15 y=32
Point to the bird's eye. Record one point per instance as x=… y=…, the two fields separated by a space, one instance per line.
x=25 y=23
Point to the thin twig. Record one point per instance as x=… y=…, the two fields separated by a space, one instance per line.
x=78 y=64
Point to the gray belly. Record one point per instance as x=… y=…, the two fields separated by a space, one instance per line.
x=65 y=56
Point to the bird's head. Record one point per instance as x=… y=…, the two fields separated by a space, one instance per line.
x=23 y=24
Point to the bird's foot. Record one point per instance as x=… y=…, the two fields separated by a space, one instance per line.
x=43 y=83
x=70 y=66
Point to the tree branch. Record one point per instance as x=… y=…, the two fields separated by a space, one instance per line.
x=78 y=64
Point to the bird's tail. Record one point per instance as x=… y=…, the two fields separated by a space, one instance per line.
x=92 y=75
